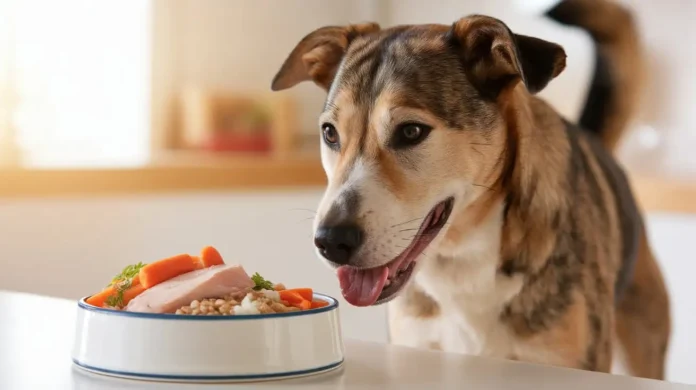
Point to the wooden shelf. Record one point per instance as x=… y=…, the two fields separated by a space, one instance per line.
x=665 y=194
x=174 y=172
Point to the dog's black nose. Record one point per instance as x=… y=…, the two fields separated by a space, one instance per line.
x=338 y=243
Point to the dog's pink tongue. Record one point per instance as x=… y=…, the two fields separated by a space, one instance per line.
x=361 y=287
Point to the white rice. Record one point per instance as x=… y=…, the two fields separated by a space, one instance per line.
x=247 y=306
x=250 y=305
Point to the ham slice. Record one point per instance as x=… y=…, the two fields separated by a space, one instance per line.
x=215 y=281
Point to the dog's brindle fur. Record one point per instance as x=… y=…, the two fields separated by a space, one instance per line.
x=545 y=258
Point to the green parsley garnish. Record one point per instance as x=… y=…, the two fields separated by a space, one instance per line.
x=128 y=273
x=123 y=282
x=117 y=300
x=261 y=283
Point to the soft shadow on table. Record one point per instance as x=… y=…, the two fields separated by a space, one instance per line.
x=84 y=380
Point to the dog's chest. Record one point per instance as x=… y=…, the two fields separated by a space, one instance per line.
x=467 y=322
x=474 y=335
x=470 y=294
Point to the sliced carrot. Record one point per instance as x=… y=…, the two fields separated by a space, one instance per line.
x=319 y=303
x=165 y=269
x=304 y=305
x=99 y=298
x=197 y=262
x=305 y=293
x=210 y=257
x=279 y=287
x=103 y=296
x=292 y=297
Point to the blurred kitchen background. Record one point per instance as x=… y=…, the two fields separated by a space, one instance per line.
x=134 y=130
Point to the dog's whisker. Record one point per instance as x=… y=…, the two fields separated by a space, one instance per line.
x=425 y=234
x=303 y=220
x=308 y=210
x=403 y=223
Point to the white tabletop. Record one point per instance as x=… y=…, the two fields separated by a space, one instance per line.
x=36 y=335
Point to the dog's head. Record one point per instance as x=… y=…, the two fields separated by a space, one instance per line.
x=413 y=133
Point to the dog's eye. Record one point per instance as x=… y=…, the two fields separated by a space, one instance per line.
x=329 y=134
x=409 y=134
x=412 y=132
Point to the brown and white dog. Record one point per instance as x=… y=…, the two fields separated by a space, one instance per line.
x=496 y=227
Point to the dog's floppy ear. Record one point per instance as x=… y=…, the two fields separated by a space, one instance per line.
x=318 y=55
x=495 y=58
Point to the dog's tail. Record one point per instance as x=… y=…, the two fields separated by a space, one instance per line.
x=618 y=75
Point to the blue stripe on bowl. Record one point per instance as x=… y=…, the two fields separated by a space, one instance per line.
x=247 y=377
x=333 y=305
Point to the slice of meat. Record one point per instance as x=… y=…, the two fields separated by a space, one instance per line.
x=215 y=281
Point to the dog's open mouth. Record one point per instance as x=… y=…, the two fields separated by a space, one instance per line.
x=365 y=287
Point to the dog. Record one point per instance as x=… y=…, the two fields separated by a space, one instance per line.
x=492 y=225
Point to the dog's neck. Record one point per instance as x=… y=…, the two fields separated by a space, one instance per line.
x=507 y=231
x=466 y=269
x=533 y=207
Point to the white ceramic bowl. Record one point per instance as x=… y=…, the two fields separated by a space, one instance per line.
x=170 y=347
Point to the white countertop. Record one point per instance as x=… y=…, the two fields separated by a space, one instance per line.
x=36 y=335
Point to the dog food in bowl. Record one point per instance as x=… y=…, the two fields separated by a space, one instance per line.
x=205 y=285
x=134 y=327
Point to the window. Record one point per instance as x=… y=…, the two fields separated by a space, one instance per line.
x=75 y=82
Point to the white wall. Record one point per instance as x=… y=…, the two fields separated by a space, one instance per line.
x=671 y=236
x=72 y=247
